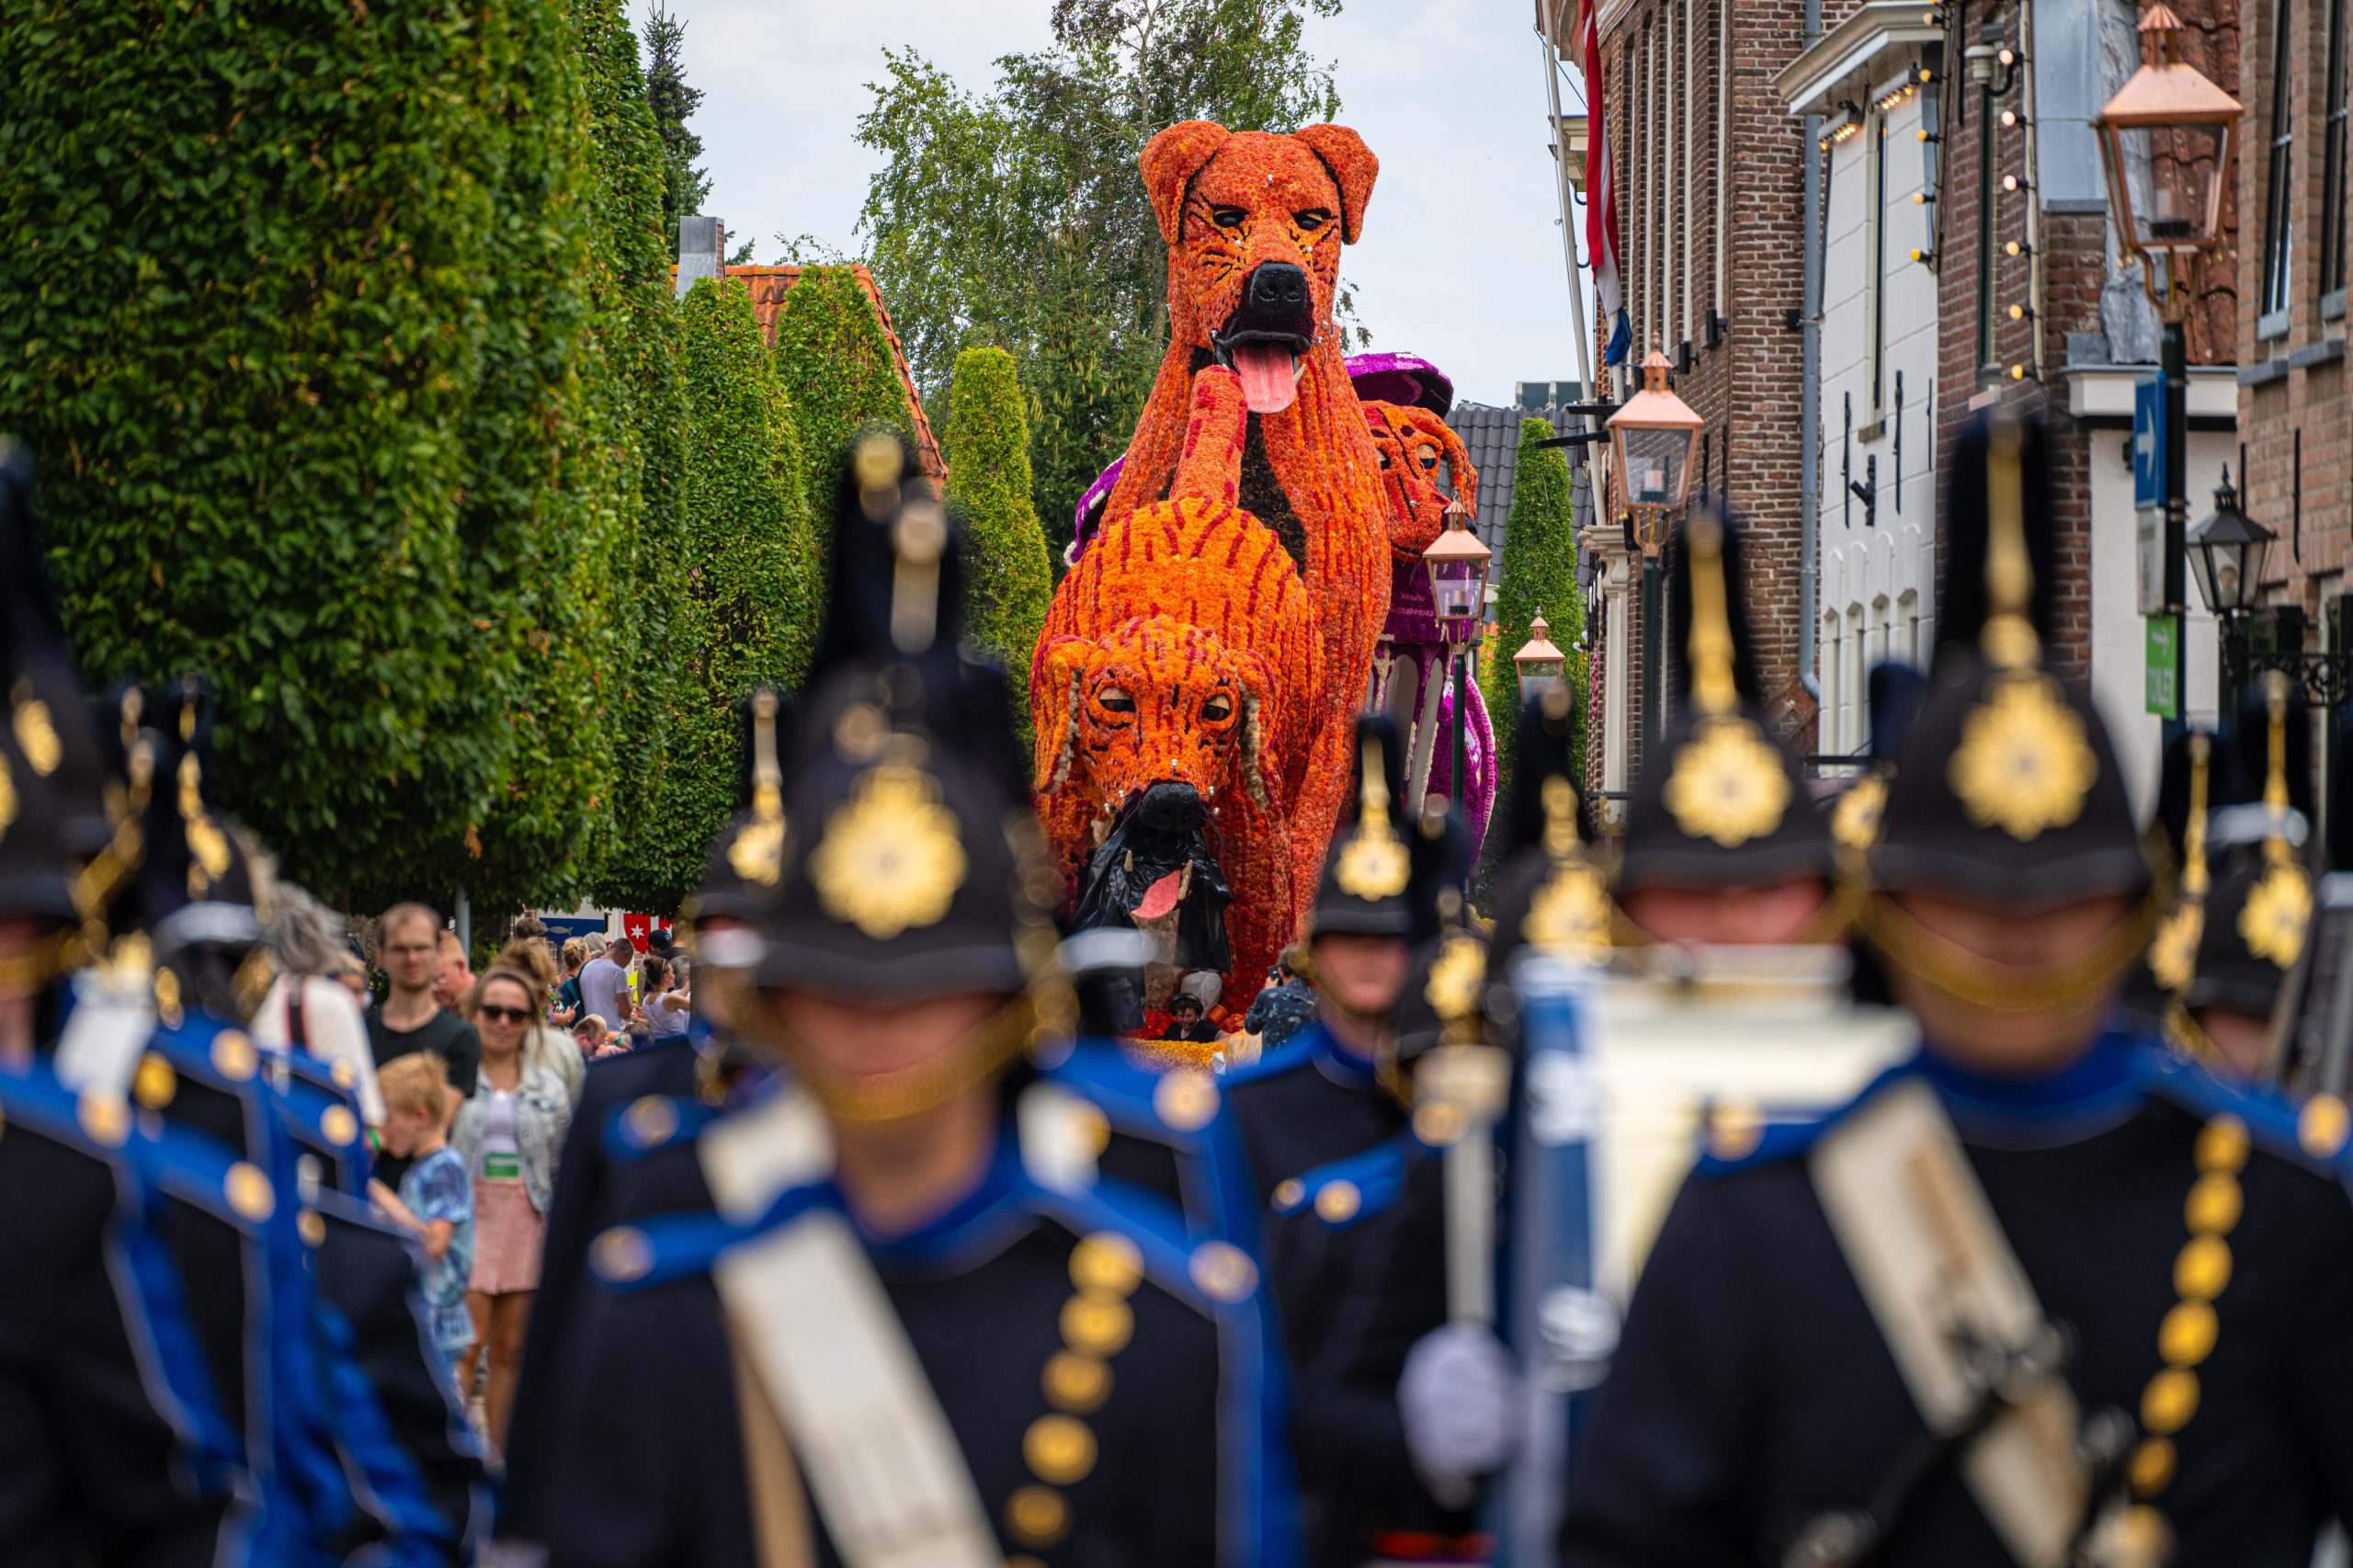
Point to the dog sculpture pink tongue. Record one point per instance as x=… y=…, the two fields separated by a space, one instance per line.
x=1270 y=378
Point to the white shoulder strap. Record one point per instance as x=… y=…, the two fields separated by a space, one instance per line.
x=825 y=1344
x=1935 y=1267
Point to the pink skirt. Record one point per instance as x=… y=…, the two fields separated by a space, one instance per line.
x=509 y=1236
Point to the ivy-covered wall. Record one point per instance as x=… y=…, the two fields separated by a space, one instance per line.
x=300 y=335
x=641 y=403
x=1538 y=573
x=1009 y=580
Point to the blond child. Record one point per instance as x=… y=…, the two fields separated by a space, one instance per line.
x=435 y=1201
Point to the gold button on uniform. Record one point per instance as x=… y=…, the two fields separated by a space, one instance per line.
x=154 y=1084
x=2202 y=1268
x=2322 y=1127
x=2221 y=1144
x=1074 y=1382
x=1106 y=1262
x=2214 y=1203
x=233 y=1056
x=2169 y=1400
x=1337 y=1203
x=1036 y=1516
x=2187 y=1336
x=652 y=1121
x=1223 y=1272
x=621 y=1255
x=1438 y=1124
x=1184 y=1100
x=2151 y=1467
x=313 y=1226
x=341 y=1127
x=1097 y=1325
x=1290 y=1193
x=249 y=1192
x=1059 y=1449
x=104 y=1118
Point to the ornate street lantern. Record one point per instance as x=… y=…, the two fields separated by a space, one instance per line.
x=2166 y=138
x=2226 y=552
x=1541 y=665
x=1457 y=563
x=1651 y=440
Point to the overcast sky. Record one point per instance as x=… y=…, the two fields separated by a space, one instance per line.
x=1461 y=260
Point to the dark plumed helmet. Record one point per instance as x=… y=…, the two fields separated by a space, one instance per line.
x=2256 y=916
x=1719 y=803
x=746 y=862
x=197 y=884
x=47 y=709
x=2009 y=792
x=1548 y=891
x=911 y=866
x=1443 y=1000
x=1369 y=870
x=1965 y=601
x=1894 y=692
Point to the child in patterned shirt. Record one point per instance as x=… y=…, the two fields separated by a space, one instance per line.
x=435 y=1201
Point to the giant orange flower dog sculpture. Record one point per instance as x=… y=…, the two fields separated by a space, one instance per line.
x=1173 y=692
x=1254 y=223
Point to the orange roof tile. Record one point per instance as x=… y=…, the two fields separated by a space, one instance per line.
x=770 y=284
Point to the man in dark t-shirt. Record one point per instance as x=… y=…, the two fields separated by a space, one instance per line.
x=408 y=949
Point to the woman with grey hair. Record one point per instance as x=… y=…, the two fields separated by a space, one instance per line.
x=309 y=1006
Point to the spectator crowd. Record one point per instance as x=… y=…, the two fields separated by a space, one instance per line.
x=468 y=1081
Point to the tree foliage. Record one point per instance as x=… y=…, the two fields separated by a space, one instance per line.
x=1537 y=574
x=685 y=185
x=301 y=329
x=1016 y=219
x=1010 y=579
x=837 y=371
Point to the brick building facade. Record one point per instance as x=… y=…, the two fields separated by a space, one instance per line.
x=1712 y=202
x=2295 y=419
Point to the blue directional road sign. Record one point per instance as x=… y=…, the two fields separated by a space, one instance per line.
x=2149 y=441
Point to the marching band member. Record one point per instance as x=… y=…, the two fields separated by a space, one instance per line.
x=2043 y=1291
x=915 y=1321
x=1722 y=843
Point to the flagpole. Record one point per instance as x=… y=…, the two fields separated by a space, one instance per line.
x=1568 y=213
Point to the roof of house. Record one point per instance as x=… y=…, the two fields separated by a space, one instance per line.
x=770 y=284
x=1492 y=437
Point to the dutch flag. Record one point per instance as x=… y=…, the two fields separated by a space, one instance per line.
x=1601 y=199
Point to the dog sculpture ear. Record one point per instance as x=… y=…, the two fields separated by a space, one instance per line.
x=1352 y=167
x=1458 y=460
x=1170 y=161
x=1053 y=699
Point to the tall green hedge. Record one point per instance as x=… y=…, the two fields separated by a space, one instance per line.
x=1537 y=572
x=749 y=608
x=837 y=370
x=300 y=330
x=644 y=403
x=1009 y=580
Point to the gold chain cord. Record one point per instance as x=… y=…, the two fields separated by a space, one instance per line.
x=1987 y=982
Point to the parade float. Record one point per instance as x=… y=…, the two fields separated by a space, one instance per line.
x=1247 y=578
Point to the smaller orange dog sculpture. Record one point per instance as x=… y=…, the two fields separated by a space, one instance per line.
x=1172 y=692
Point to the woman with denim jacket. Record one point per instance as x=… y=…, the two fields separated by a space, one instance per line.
x=508 y=1134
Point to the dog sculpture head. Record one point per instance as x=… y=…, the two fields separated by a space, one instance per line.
x=1152 y=699
x=1254 y=223
x=1412 y=443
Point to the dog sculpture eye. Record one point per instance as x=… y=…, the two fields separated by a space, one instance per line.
x=1383 y=453
x=1429 y=458
x=1312 y=220
x=1116 y=700
x=1218 y=708
x=1229 y=217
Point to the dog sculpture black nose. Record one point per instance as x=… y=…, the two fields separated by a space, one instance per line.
x=1172 y=808
x=1278 y=287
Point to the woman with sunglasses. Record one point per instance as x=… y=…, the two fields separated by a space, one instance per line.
x=508 y=1134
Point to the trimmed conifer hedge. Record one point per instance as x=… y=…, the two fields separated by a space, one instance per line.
x=1537 y=572
x=838 y=373
x=1010 y=579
